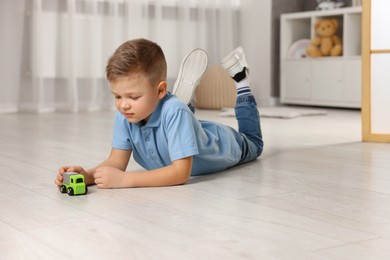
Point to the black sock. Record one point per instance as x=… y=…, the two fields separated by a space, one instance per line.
x=240 y=76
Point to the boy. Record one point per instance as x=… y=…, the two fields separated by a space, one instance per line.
x=160 y=130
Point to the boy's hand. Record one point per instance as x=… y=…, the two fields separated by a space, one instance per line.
x=60 y=179
x=109 y=177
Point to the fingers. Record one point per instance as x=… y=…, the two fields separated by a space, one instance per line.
x=78 y=169
x=101 y=186
x=59 y=179
x=58 y=182
x=62 y=169
x=99 y=182
x=75 y=169
x=100 y=179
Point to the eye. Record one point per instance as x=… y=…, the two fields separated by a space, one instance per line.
x=117 y=97
x=135 y=98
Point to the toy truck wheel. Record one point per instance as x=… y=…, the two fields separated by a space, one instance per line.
x=70 y=191
x=63 y=189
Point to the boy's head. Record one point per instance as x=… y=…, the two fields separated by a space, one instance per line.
x=137 y=74
x=134 y=57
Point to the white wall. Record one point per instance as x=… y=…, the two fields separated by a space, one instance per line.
x=256 y=21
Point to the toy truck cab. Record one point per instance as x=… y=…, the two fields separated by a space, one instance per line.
x=73 y=184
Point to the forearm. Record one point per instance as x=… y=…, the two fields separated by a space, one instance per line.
x=166 y=176
x=109 y=174
x=90 y=173
x=118 y=159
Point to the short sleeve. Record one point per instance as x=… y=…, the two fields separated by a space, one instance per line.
x=181 y=135
x=121 y=137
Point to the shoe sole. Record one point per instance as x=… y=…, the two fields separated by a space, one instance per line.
x=192 y=69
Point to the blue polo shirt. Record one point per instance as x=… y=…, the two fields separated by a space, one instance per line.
x=171 y=133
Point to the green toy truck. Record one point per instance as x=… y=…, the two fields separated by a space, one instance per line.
x=73 y=184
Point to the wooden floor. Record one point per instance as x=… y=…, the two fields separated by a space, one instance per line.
x=317 y=192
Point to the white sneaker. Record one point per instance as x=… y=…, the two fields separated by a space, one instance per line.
x=235 y=61
x=192 y=68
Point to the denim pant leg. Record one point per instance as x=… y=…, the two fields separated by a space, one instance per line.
x=249 y=131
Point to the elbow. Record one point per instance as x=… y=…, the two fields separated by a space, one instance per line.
x=184 y=179
x=181 y=170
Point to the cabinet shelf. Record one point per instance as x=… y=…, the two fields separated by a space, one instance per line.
x=321 y=58
x=324 y=81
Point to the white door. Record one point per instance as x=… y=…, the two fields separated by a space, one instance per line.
x=380 y=64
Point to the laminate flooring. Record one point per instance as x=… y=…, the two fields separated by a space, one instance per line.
x=317 y=192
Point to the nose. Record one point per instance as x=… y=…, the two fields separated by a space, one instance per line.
x=125 y=105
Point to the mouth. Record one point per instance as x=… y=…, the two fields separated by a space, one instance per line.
x=128 y=115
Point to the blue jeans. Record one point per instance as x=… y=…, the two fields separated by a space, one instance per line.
x=249 y=134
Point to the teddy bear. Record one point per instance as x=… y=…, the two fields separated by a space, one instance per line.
x=326 y=43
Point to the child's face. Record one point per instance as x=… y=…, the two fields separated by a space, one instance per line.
x=136 y=98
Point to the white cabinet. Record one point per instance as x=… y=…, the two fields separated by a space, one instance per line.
x=327 y=88
x=298 y=74
x=324 y=81
x=351 y=93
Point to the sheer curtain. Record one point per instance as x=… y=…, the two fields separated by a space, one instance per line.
x=60 y=47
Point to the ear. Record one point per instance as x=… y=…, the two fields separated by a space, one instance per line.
x=162 y=89
x=335 y=23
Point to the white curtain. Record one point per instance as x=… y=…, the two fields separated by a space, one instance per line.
x=54 y=52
